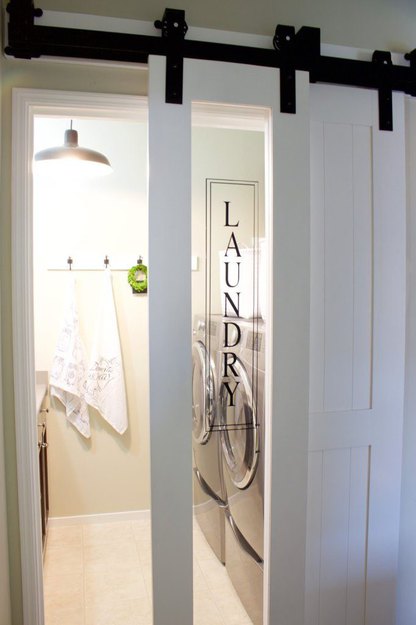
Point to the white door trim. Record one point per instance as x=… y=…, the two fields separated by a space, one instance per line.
x=26 y=104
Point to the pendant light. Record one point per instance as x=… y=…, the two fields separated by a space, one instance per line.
x=71 y=159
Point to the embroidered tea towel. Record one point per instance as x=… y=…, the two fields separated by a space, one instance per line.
x=105 y=387
x=69 y=367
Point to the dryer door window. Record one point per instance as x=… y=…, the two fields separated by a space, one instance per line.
x=240 y=441
x=203 y=393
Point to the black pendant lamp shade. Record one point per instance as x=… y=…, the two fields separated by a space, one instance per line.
x=73 y=158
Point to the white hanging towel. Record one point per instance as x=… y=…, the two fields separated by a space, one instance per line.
x=69 y=367
x=105 y=387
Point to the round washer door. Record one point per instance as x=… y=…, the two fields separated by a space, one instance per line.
x=203 y=393
x=240 y=433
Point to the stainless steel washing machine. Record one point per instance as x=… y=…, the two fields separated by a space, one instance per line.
x=242 y=443
x=209 y=490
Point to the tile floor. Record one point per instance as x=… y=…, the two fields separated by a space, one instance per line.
x=101 y=575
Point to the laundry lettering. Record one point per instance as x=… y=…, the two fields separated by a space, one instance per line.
x=231 y=393
x=227 y=274
x=232 y=331
x=227 y=216
x=233 y=247
x=237 y=338
x=227 y=357
x=235 y=306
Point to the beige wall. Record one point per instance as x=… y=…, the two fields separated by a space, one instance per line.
x=88 y=220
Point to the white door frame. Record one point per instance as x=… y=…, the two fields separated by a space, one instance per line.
x=26 y=104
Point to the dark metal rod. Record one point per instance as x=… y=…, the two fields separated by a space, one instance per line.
x=26 y=41
x=76 y=43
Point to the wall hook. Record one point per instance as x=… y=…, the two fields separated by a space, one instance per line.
x=69 y=261
x=106 y=261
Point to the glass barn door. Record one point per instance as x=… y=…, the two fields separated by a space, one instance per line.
x=174 y=412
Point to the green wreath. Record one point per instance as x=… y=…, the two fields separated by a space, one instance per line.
x=138 y=286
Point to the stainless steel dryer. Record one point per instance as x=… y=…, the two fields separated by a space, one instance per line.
x=209 y=493
x=242 y=442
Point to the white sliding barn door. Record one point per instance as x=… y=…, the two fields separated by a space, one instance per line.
x=356 y=358
x=287 y=210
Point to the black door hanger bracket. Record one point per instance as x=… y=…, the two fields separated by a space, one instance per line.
x=299 y=50
x=291 y=51
x=284 y=44
x=174 y=29
x=383 y=63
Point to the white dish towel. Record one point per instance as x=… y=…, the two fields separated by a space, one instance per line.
x=69 y=367
x=105 y=387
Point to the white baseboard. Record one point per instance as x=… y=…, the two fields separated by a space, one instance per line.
x=115 y=517
x=107 y=517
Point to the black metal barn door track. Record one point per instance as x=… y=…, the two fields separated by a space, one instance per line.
x=291 y=51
